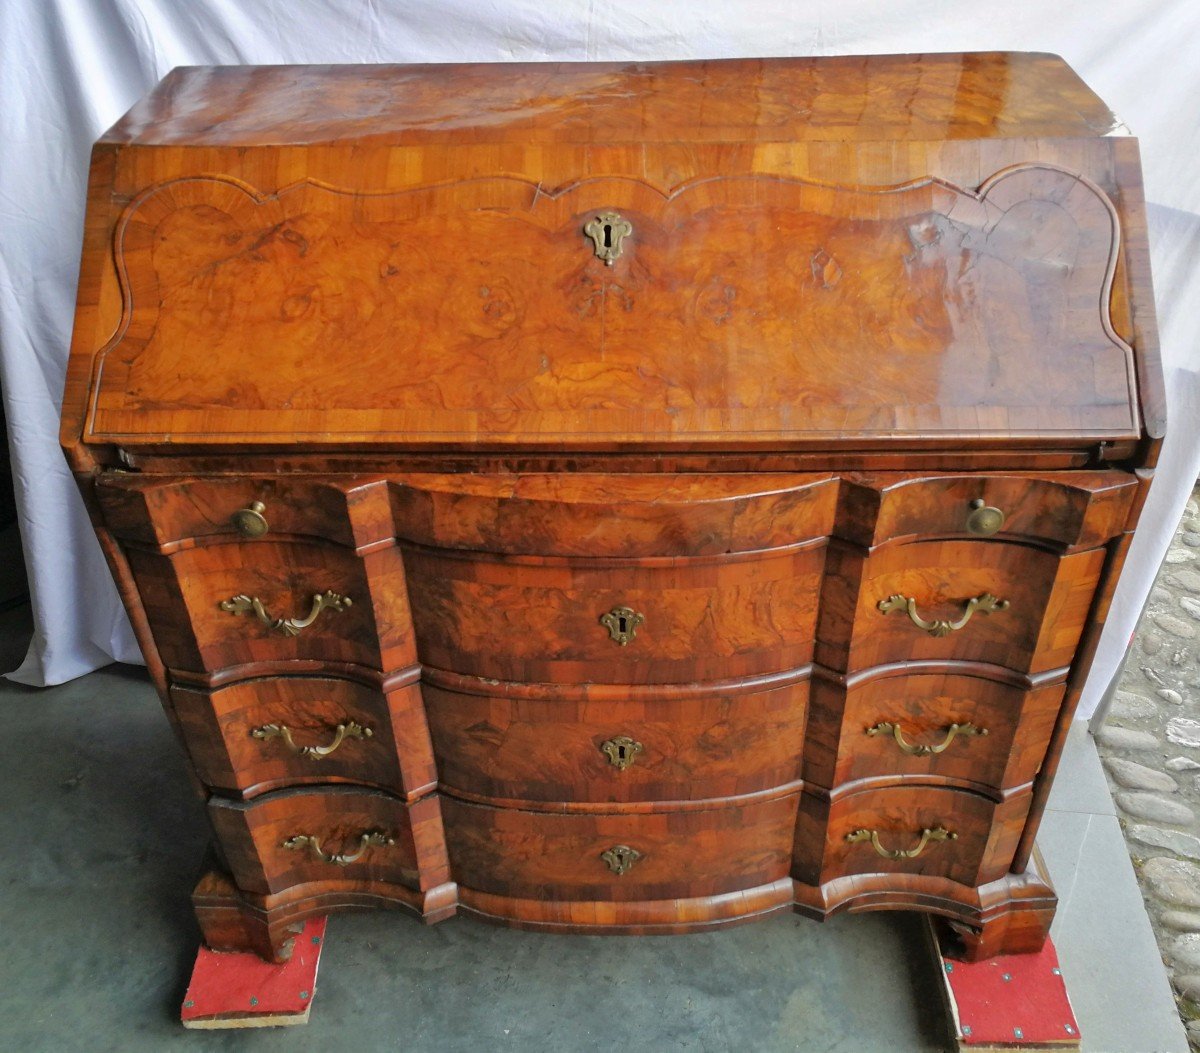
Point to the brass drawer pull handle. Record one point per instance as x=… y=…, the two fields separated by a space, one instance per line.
x=984 y=604
x=607 y=231
x=886 y=727
x=939 y=833
x=250 y=522
x=620 y=858
x=286 y=626
x=349 y=730
x=621 y=751
x=622 y=624
x=370 y=839
x=984 y=520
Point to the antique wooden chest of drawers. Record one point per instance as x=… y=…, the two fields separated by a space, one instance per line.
x=623 y=498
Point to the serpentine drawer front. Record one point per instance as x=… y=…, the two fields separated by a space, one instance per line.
x=269 y=732
x=618 y=497
x=986 y=731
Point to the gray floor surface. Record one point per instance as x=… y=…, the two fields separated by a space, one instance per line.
x=102 y=837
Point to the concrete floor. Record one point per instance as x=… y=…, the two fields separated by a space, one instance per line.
x=102 y=838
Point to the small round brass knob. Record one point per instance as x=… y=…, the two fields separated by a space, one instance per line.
x=250 y=522
x=984 y=520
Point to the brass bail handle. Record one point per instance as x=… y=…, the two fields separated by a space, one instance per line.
x=938 y=833
x=348 y=730
x=321 y=601
x=367 y=840
x=985 y=604
x=887 y=727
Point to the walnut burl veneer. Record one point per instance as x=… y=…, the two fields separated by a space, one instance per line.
x=618 y=497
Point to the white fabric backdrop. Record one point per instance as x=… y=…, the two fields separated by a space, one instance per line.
x=72 y=67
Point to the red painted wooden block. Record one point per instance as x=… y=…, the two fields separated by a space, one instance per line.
x=1014 y=1001
x=243 y=990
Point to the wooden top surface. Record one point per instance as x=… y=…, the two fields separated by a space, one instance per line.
x=842 y=98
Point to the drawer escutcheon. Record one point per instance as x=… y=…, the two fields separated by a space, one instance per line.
x=938 y=833
x=620 y=858
x=327 y=600
x=348 y=730
x=887 y=727
x=985 y=604
x=621 y=751
x=622 y=624
x=368 y=839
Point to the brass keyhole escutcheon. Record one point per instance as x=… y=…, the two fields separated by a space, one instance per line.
x=622 y=624
x=620 y=858
x=250 y=522
x=621 y=751
x=607 y=230
x=984 y=520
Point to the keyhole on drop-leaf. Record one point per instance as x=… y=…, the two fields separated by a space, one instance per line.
x=607 y=231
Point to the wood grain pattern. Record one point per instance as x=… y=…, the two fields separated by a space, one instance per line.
x=233 y=919
x=175 y=513
x=252 y=837
x=728 y=315
x=958 y=126
x=988 y=456
x=1018 y=722
x=987 y=833
x=686 y=855
x=1010 y=915
x=495 y=741
x=714 y=741
x=859 y=295
x=1048 y=601
x=646 y=917
x=537 y=619
x=868 y=97
x=183 y=593
x=623 y=516
x=1081 y=510
x=218 y=729
x=1115 y=555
